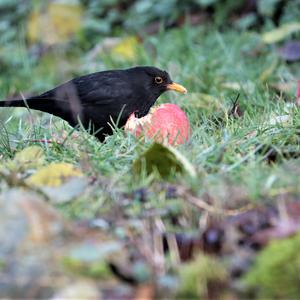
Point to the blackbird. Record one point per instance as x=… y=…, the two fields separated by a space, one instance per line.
x=101 y=99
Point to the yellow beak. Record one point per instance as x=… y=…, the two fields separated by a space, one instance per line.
x=176 y=87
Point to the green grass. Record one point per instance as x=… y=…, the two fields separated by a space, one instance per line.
x=230 y=154
x=223 y=149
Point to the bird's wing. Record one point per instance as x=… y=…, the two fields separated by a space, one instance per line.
x=101 y=90
x=94 y=89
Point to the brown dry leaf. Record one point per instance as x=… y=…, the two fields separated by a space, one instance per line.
x=285 y=225
x=56 y=24
x=145 y=292
x=53 y=175
x=283 y=87
x=43 y=221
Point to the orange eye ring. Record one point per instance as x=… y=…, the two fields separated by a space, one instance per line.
x=158 y=80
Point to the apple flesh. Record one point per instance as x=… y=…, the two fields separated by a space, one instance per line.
x=165 y=123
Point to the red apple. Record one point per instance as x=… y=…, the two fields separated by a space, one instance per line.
x=298 y=94
x=165 y=123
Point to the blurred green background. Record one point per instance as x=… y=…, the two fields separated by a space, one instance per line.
x=34 y=33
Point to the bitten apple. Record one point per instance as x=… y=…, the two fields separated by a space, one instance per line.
x=165 y=123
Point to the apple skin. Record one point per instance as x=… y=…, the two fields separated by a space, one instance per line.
x=298 y=94
x=165 y=123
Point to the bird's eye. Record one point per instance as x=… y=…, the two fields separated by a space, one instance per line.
x=158 y=80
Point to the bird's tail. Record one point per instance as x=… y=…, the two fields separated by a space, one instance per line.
x=46 y=105
x=13 y=103
x=59 y=108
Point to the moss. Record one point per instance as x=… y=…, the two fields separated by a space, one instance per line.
x=98 y=269
x=276 y=272
x=201 y=277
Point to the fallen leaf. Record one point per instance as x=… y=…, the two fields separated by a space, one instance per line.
x=53 y=175
x=56 y=23
x=66 y=191
x=279 y=119
x=283 y=87
x=290 y=51
x=30 y=157
x=164 y=160
x=126 y=49
x=283 y=229
x=280 y=33
x=80 y=289
x=268 y=72
x=232 y=86
x=145 y=292
x=43 y=220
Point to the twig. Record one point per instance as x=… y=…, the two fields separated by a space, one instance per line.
x=45 y=141
x=200 y=203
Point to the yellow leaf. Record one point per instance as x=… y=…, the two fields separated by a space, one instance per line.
x=57 y=23
x=30 y=157
x=126 y=48
x=280 y=33
x=235 y=86
x=267 y=73
x=54 y=174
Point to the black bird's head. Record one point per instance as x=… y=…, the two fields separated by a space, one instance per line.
x=151 y=83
